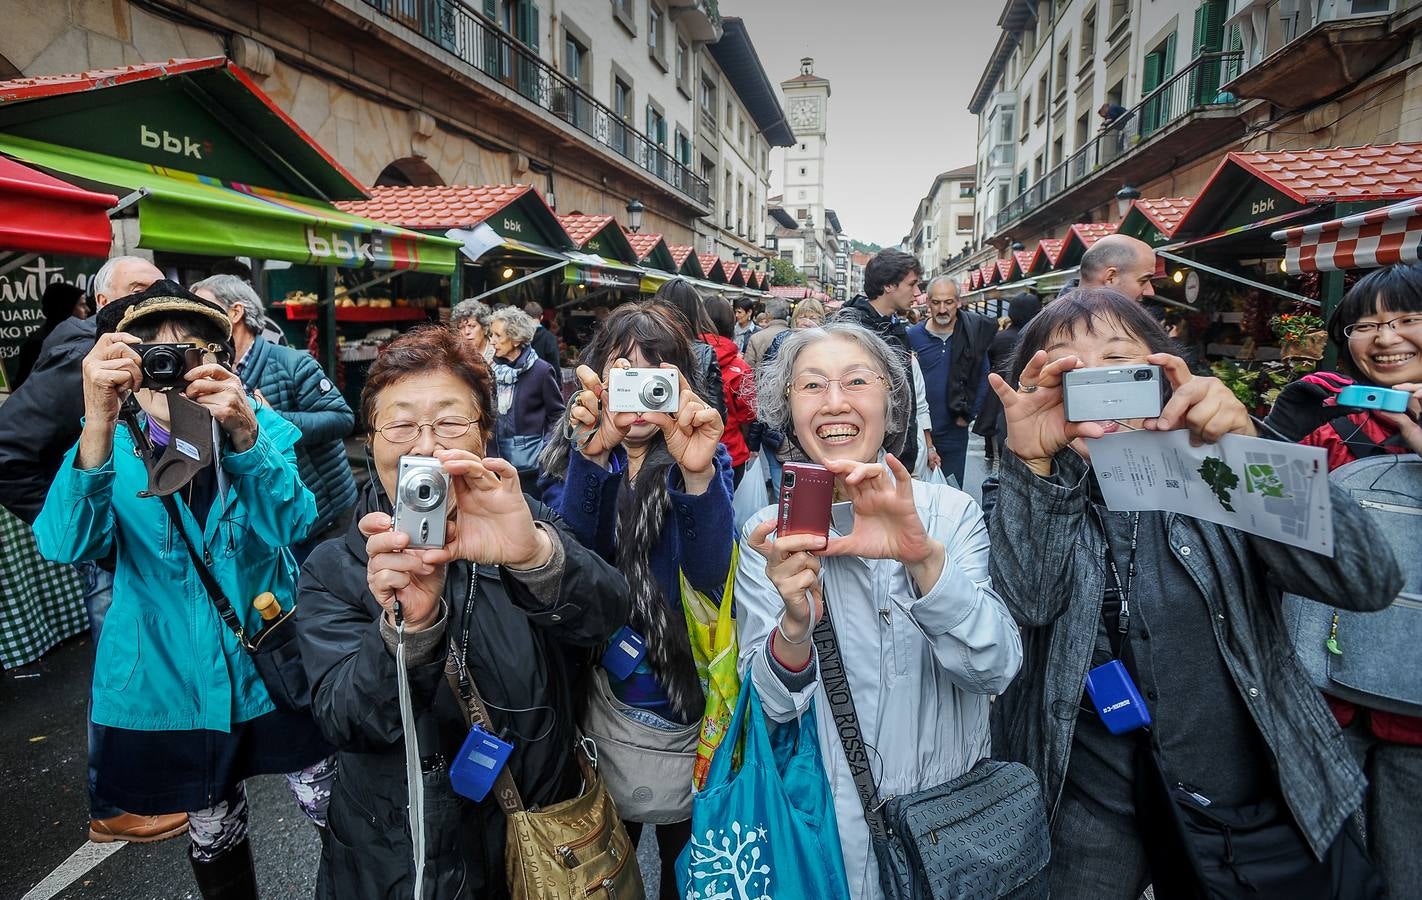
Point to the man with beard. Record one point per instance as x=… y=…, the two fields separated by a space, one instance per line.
x=951 y=345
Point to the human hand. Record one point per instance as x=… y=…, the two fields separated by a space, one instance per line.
x=111 y=372
x=1204 y=405
x=691 y=435
x=589 y=411
x=395 y=573
x=492 y=522
x=1037 y=428
x=794 y=569
x=218 y=389
x=886 y=522
x=934 y=460
x=1406 y=423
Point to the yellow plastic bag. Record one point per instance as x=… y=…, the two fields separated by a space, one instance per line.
x=714 y=645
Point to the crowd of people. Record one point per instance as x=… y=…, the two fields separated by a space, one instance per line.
x=257 y=609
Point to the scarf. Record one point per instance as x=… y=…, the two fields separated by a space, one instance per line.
x=643 y=505
x=506 y=375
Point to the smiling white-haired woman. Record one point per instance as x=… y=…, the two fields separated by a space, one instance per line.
x=923 y=638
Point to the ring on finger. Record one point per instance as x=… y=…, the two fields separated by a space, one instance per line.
x=1028 y=388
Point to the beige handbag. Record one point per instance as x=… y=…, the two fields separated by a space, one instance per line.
x=574 y=849
x=649 y=770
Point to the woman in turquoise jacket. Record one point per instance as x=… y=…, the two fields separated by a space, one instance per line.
x=186 y=716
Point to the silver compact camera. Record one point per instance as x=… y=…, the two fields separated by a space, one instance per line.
x=422 y=500
x=1113 y=392
x=643 y=391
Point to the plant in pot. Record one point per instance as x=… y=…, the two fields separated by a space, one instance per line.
x=1301 y=336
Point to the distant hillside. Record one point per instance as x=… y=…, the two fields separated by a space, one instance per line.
x=865 y=248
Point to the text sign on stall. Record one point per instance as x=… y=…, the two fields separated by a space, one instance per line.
x=21 y=289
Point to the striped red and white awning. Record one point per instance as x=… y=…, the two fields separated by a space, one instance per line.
x=1379 y=237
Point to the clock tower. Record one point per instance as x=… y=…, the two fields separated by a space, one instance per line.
x=806 y=103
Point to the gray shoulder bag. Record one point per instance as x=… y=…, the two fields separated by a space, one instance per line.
x=982 y=835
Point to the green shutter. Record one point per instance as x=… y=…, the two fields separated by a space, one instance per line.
x=491 y=9
x=533 y=35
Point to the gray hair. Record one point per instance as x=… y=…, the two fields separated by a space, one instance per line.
x=232 y=291
x=470 y=309
x=777 y=308
x=534 y=309
x=945 y=279
x=772 y=382
x=519 y=326
x=102 y=282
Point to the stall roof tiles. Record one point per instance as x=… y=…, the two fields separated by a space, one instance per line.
x=789 y=291
x=435 y=207
x=1164 y=213
x=583 y=228
x=1050 y=248
x=1369 y=172
x=642 y=242
x=37 y=86
x=1024 y=260
x=1091 y=232
x=679 y=253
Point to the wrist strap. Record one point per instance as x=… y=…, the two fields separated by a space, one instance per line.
x=846 y=721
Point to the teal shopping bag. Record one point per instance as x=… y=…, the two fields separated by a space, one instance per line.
x=765 y=831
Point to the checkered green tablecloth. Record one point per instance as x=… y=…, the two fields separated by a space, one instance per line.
x=41 y=603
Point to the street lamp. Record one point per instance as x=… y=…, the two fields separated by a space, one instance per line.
x=1018 y=245
x=1124 y=197
x=634 y=215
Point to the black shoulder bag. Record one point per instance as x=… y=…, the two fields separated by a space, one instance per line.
x=982 y=835
x=1200 y=850
x=273 y=649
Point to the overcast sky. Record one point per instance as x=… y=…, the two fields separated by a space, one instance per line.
x=901 y=73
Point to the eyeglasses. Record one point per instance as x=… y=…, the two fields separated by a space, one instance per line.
x=855 y=382
x=1368 y=329
x=406 y=432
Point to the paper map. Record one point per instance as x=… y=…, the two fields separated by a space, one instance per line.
x=1268 y=488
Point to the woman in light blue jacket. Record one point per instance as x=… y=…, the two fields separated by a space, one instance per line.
x=924 y=639
x=186 y=716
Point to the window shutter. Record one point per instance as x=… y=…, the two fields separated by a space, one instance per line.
x=532 y=39
x=491 y=9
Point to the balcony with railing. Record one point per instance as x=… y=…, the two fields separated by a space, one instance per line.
x=1187 y=114
x=478 y=42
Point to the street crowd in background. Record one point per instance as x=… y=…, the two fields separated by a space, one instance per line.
x=612 y=629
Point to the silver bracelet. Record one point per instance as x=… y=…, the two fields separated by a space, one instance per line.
x=779 y=626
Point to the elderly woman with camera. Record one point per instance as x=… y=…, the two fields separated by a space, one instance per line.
x=640 y=474
x=1213 y=768
x=923 y=640
x=528 y=395
x=508 y=600
x=187 y=718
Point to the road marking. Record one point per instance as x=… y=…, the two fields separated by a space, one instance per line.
x=72 y=869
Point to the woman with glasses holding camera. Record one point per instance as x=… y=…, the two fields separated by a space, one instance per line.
x=510 y=599
x=651 y=491
x=187 y=718
x=923 y=639
x=1230 y=777
x=1377 y=333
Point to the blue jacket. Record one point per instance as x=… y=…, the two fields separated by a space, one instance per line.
x=300 y=391
x=165 y=661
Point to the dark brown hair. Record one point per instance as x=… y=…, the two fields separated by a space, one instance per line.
x=1087 y=307
x=422 y=351
x=659 y=331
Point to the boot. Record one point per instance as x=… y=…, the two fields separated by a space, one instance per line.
x=229 y=877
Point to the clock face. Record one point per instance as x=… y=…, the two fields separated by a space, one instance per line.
x=804 y=113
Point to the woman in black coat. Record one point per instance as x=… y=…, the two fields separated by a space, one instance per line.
x=990 y=424
x=511 y=591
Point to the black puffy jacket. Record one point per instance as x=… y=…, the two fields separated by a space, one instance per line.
x=523 y=655
x=894 y=331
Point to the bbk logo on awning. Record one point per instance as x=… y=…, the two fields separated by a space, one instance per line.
x=347 y=247
x=176 y=144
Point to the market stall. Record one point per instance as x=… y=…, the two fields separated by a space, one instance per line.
x=43 y=221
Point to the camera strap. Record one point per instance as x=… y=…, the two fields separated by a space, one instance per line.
x=1116 y=607
x=201 y=561
x=189 y=449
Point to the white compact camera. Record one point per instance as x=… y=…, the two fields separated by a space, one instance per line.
x=643 y=391
x=1113 y=392
x=422 y=500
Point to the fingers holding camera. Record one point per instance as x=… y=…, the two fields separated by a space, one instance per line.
x=111 y=372
x=492 y=523
x=1204 y=405
x=596 y=432
x=395 y=573
x=220 y=392
x=1037 y=428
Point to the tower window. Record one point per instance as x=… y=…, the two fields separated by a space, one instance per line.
x=802 y=170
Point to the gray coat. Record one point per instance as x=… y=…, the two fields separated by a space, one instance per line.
x=1048 y=565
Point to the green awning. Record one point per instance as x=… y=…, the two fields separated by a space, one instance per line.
x=183 y=212
x=594 y=271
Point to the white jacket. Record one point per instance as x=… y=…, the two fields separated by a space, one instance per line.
x=921 y=669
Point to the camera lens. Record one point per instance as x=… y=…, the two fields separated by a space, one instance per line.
x=1143 y=375
x=788 y=479
x=655 y=393
x=162 y=362
x=422 y=490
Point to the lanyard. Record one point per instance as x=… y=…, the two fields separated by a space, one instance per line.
x=1124 y=590
x=467 y=626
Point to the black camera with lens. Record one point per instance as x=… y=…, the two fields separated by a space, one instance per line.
x=164 y=365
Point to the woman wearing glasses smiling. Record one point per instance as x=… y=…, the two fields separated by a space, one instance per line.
x=511 y=592
x=924 y=639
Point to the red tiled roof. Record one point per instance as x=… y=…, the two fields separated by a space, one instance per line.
x=1004 y=268
x=789 y=291
x=732 y=269
x=582 y=228
x=1024 y=260
x=1091 y=232
x=1164 y=213
x=642 y=242
x=1048 y=249
x=1354 y=173
x=975 y=278
x=709 y=261
x=679 y=253
x=440 y=206
x=989 y=272
x=51 y=85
